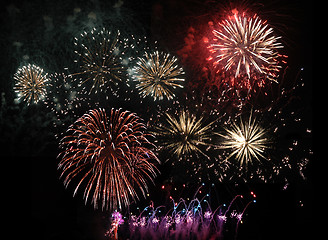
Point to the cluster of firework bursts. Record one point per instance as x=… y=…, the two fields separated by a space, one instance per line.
x=113 y=154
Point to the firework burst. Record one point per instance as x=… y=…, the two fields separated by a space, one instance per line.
x=158 y=75
x=248 y=47
x=31 y=83
x=110 y=154
x=247 y=141
x=184 y=134
x=101 y=60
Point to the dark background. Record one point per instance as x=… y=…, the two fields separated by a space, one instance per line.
x=41 y=32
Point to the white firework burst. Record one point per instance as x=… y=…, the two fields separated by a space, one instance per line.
x=246 y=140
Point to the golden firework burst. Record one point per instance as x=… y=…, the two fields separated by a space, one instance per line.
x=158 y=74
x=184 y=134
x=31 y=83
x=101 y=60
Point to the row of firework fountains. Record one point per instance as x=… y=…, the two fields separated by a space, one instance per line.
x=193 y=219
x=110 y=153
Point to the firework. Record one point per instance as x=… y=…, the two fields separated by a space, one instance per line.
x=248 y=47
x=117 y=220
x=184 y=134
x=109 y=153
x=31 y=83
x=158 y=75
x=101 y=60
x=247 y=141
x=186 y=220
x=60 y=99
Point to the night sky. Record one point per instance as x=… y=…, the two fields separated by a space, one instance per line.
x=42 y=32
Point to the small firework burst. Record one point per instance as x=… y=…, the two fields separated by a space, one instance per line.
x=31 y=83
x=110 y=153
x=101 y=60
x=247 y=141
x=248 y=47
x=158 y=74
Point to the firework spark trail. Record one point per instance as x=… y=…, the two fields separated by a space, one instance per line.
x=109 y=153
x=31 y=83
x=248 y=47
x=60 y=100
x=158 y=75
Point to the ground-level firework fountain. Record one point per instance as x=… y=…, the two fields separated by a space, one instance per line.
x=194 y=219
x=117 y=220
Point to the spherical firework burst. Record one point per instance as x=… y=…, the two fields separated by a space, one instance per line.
x=184 y=134
x=246 y=140
x=248 y=47
x=158 y=75
x=111 y=156
x=101 y=60
x=31 y=83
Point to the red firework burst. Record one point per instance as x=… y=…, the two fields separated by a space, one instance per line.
x=246 y=47
x=111 y=156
